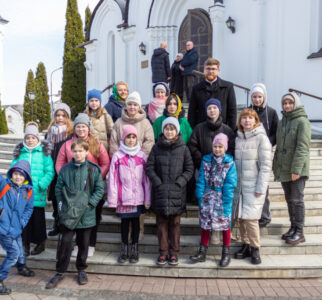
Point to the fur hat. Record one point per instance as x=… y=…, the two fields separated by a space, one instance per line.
x=32 y=129
x=64 y=107
x=173 y=121
x=94 y=94
x=82 y=119
x=213 y=101
x=134 y=97
x=128 y=129
x=221 y=139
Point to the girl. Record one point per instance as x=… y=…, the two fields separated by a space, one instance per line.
x=42 y=173
x=173 y=108
x=60 y=129
x=129 y=189
x=253 y=161
x=215 y=193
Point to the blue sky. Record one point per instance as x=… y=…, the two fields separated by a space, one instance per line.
x=35 y=33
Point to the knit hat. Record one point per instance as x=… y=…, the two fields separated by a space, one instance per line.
x=173 y=121
x=180 y=54
x=32 y=128
x=160 y=87
x=21 y=171
x=257 y=89
x=134 y=97
x=82 y=119
x=213 y=101
x=157 y=86
x=260 y=88
x=221 y=139
x=64 y=107
x=127 y=130
x=94 y=94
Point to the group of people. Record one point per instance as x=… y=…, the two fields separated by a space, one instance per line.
x=142 y=159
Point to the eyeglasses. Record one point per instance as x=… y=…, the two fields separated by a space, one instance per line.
x=211 y=69
x=122 y=90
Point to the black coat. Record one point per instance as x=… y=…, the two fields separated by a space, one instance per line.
x=160 y=65
x=202 y=136
x=169 y=168
x=221 y=90
x=176 y=84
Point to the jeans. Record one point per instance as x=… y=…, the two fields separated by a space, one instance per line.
x=15 y=255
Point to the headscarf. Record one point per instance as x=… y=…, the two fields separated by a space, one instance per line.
x=116 y=95
x=179 y=108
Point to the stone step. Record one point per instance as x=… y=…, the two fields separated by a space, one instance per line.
x=10 y=138
x=7 y=147
x=5 y=154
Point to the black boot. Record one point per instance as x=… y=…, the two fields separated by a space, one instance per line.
x=3 y=289
x=26 y=247
x=243 y=252
x=256 y=259
x=52 y=283
x=225 y=256
x=288 y=234
x=55 y=229
x=200 y=256
x=124 y=254
x=297 y=237
x=134 y=257
x=39 y=248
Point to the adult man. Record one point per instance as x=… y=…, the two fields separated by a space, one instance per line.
x=212 y=87
x=189 y=63
x=160 y=64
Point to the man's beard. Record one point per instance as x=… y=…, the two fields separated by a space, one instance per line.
x=211 y=77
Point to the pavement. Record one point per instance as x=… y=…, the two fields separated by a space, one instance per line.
x=137 y=287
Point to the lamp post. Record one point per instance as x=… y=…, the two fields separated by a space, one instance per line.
x=51 y=92
x=31 y=96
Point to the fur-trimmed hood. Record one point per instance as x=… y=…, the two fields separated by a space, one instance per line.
x=46 y=147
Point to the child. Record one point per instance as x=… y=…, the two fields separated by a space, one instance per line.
x=79 y=186
x=42 y=173
x=129 y=189
x=169 y=168
x=60 y=129
x=253 y=153
x=215 y=193
x=16 y=205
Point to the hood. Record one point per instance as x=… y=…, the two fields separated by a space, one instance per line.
x=24 y=165
x=263 y=87
x=256 y=131
x=162 y=83
x=159 y=51
x=141 y=115
x=297 y=101
x=295 y=113
x=44 y=146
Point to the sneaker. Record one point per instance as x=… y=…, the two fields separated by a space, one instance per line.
x=52 y=283
x=173 y=261
x=162 y=260
x=75 y=251
x=91 y=251
x=25 y=271
x=82 y=278
x=3 y=289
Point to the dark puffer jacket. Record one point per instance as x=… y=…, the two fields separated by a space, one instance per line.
x=176 y=84
x=169 y=168
x=114 y=108
x=160 y=65
x=202 y=136
x=189 y=62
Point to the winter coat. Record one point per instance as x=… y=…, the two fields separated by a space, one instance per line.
x=74 y=177
x=42 y=168
x=185 y=128
x=160 y=65
x=65 y=155
x=221 y=90
x=169 y=168
x=293 y=137
x=189 y=62
x=15 y=207
x=114 y=108
x=127 y=182
x=143 y=127
x=202 y=136
x=176 y=83
x=253 y=158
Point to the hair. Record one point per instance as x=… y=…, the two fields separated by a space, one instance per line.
x=68 y=123
x=248 y=112
x=94 y=145
x=170 y=97
x=122 y=83
x=89 y=112
x=212 y=61
x=82 y=143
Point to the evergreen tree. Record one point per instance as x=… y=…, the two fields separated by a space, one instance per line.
x=42 y=106
x=74 y=80
x=27 y=108
x=88 y=16
x=3 y=121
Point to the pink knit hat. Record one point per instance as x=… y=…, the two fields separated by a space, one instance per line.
x=128 y=129
x=221 y=139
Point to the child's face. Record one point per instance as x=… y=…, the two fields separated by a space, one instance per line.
x=248 y=122
x=60 y=117
x=288 y=105
x=94 y=104
x=31 y=140
x=213 y=112
x=170 y=132
x=172 y=107
x=81 y=131
x=132 y=109
x=18 y=178
x=79 y=153
x=130 y=140
x=160 y=94
x=218 y=149
x=257 y=99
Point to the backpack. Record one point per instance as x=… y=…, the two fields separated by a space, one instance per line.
x=6 y=189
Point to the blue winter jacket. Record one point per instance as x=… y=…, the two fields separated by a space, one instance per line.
x=229 y=185
x=114 y=108
x=15 y=208
x=189 y=62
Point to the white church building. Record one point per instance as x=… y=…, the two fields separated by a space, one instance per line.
x=275 y=42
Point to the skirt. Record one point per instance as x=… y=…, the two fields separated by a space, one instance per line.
x=129 y=211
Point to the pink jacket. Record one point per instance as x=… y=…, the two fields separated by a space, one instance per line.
x=65 y=155
x=127 y=181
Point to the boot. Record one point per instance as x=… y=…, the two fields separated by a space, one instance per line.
x=134 y=257
x=124 y=254
x=55 y=230
x=25 y=271
x=26 y=247
x=38 y=249
x=3 y=289
x=52 y=283
x=225 y=256
x=256 y=259
x=243 y=252
x=200 y=256
x=288 y=234
x=297 y=237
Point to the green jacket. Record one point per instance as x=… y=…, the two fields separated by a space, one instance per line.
x=185 y=128
x=74 y=176
x=293 y=138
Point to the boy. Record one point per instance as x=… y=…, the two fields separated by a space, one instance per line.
x=78 y=190
x=16 y=206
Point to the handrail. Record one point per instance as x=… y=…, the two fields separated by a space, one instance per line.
x=108 y=87
x=304 y=93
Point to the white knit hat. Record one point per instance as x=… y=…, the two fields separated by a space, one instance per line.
x=134 y=97
x=173 y=121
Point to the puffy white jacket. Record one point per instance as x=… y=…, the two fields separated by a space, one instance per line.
x=253 y=158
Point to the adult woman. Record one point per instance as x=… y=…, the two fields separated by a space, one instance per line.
x=292 y=162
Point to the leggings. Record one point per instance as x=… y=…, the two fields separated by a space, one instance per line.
x=205 y=237
x=125 y=224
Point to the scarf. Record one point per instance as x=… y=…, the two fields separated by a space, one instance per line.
x=116 y=95
x=156 y=107
x=132 y=151
x=179 y=109
x=57 y=133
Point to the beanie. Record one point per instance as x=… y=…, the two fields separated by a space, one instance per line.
x=213 y=101
x=94 y=94
x=257 y=89
x=173 y=121
x=160 y=87
x=64 y=107
x=221 y=139
x=21 y=171
x=82 y=119
x=127 y=130
x=134 y=97
x=32 y=129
